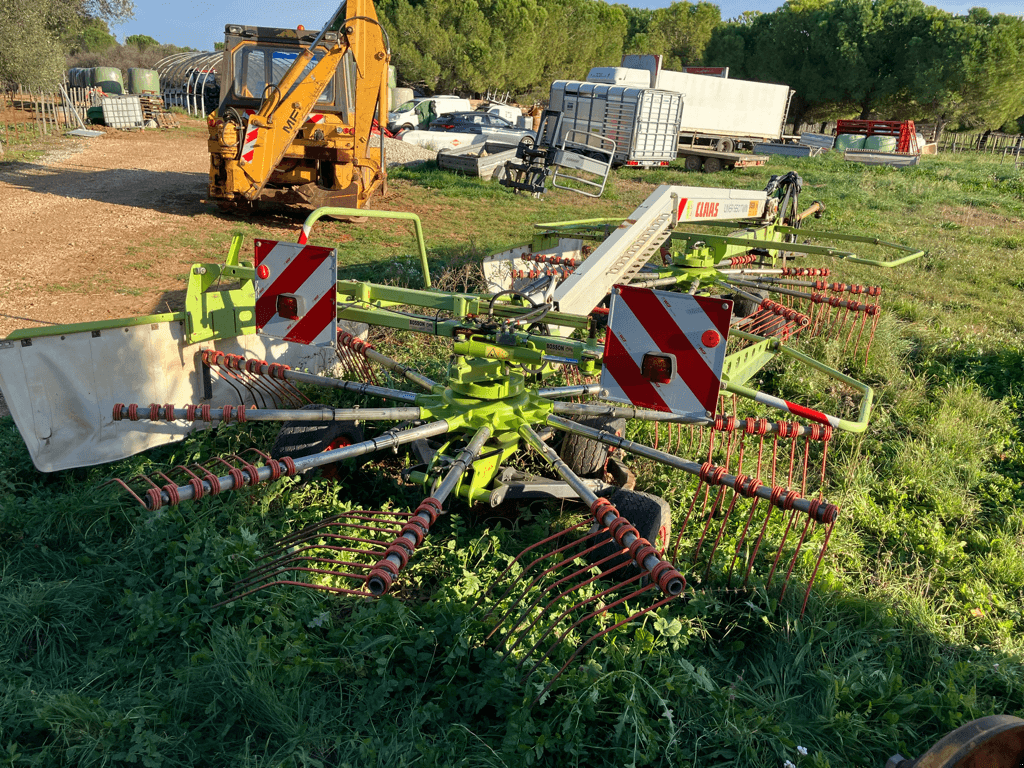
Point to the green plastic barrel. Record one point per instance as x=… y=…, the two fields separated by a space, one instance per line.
x=143 y=80
x=109 y=79
x=850 y=141
x=881 y=143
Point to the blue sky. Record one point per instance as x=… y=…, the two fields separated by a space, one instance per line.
x=200 y=23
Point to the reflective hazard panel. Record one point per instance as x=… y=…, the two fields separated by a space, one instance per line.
x=665 y=351
x=296 y=293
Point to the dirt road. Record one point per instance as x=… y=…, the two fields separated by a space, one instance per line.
x=85 y=233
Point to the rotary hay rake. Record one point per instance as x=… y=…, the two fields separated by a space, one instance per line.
x=521 y=374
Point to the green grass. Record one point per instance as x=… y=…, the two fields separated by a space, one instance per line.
x=113 y=653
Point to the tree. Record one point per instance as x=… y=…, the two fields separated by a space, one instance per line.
x=638 y=24
x=682 y=31
x=142 y=42
x=973 y=76
x=29 y=52
x=35 y=35
x=474 y=46
x=95 y=37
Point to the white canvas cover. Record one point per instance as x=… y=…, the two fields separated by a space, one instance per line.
x=61 y=389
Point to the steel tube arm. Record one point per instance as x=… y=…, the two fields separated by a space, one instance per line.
x=319 y=213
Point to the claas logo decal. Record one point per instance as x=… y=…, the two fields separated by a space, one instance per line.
x=697 y=209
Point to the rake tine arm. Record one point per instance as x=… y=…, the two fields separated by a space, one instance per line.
x=366 y=349
x=819 y=510
x=577 y=391
x=668 y=579
x=170 y=495
x=240 y=415
x=720 y=423
x=398 y=553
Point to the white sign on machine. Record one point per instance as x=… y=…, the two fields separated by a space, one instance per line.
x=665 y=351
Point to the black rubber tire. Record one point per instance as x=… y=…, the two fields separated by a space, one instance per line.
x=652 y=517
x=712 y=165
x=725 y=145
x=305 y=438
x=585 y=456
x=693 y=162
x=745 y=307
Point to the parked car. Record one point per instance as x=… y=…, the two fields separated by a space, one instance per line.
x=417 y=113
x=480 y=122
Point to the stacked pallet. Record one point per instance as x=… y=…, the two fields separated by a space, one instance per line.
x=153 y=109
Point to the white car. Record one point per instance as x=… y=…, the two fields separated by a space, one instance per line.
x=415 y=114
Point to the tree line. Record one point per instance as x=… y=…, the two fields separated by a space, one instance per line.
x=895 y=59
x=898 y=59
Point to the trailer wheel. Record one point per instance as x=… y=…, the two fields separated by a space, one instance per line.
x=499 y=173
x=305 y=438
x=725 y=145
x=652 y=517
x=693 y=163
x=712 y=165
x=585 y=456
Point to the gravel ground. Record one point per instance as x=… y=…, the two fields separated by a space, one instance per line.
x=397 y=152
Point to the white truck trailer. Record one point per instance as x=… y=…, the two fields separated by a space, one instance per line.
x=719 y=112
x=643 y=122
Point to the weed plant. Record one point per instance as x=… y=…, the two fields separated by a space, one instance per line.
x=113 y=653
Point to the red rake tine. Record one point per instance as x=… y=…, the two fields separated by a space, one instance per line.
x=340 y=520
x=564 y=593
x=817 y=565
x=277 y=564
x=742 y=540
x=517 y=559
x=598 y=636
x=721 y=532
x=796 y=554
x=575 y=607
x=589 y=617
x=536 y=579
x=288 y=583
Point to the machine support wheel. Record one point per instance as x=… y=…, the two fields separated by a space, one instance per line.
x=653 y=519
x=304 y=438
x=996 y=741
x=743 y=307
x=585 y=456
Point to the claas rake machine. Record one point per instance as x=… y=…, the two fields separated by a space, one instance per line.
x=579 y=362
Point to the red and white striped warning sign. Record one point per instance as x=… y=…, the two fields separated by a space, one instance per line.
x=249 y=145
x=296 y=292
x=665 y=351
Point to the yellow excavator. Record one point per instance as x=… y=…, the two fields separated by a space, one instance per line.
x=297 y=113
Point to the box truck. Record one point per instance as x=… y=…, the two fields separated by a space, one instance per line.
x=718 y=112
